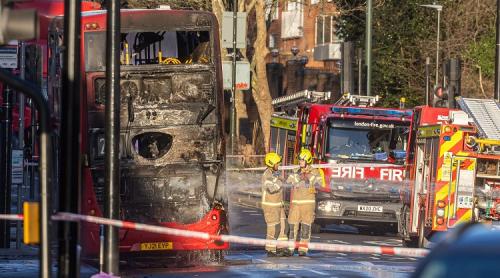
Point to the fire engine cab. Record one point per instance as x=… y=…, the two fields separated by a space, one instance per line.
x=362 y=151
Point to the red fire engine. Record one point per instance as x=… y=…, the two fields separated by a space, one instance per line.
x=452 y=179
x=364 y=148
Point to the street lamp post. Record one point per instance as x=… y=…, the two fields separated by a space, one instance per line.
x=438 y=8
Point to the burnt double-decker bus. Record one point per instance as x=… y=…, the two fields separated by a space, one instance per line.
x=171 y=135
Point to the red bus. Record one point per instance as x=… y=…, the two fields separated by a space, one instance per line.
x=172 y=147
x=36 y=50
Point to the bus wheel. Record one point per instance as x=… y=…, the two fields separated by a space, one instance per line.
x=216 y=256
x=211 y=257
x=184 y=259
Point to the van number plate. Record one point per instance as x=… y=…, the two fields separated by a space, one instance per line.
x=370 y=208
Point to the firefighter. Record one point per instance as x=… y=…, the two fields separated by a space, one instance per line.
x=302 y=200
x=272 y=203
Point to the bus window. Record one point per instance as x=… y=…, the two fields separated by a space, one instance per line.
x=146 y=48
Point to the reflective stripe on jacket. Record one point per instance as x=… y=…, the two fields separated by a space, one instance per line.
x=272 y=193
x=303 y=183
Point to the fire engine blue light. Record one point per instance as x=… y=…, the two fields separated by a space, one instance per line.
x=399 y=154
x=373 y=112
x=446 y=138
x=381 y=156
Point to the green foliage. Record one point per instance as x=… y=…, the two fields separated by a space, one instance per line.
x=482 y=53
x=174 y=4
x=404 y=34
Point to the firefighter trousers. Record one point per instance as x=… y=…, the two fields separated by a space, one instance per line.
x=277 y=226
x=301 y=216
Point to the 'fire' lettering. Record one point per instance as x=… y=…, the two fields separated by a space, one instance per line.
x=348 y=172
x=391 y=174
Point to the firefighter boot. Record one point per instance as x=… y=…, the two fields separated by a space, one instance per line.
x=294 y=229
x=272 y=254
x=283 y=236
x=272 y=234
x=305 y=236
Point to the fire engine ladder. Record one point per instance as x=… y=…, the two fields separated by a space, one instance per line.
x=301 y=97
x=485 y=113
x=357 y=100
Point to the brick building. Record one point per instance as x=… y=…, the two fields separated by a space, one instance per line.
x=309 y=27
x=306 y=26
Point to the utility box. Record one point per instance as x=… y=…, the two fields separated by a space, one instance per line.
x=31 y=222
x=241 y=30
x=242 y=75
x=328 y=51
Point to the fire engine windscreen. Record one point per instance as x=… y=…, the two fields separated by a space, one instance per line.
x=146 y=48
x=367 y=140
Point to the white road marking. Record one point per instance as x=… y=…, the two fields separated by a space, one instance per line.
x=250 y=211
x=393 y=258
x=255 y=214
x=317 y=272
x=376 y=255
x=245 y=205
x=315 y=237
x=367 y=263
x=264 y=261
x=342 y=254
x=338 y=241
x=384 y=243
x=374 y=258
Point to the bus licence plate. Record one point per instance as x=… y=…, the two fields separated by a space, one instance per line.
x=370 y=208
x=156 y=246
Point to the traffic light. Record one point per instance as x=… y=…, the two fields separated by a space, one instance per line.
x=17 y=24
x=440 y=97
x=454 y=73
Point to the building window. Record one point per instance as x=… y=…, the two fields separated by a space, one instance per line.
x=294 y=5
x=292 y=20
x=325 y=29
x=273 y=41
x=272 y=9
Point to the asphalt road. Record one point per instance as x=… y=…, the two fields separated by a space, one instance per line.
x=246 y=219
x=245 y=261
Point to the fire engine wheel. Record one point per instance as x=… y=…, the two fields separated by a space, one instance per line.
x=421 y=233
x=412 y=242
x=316 y=228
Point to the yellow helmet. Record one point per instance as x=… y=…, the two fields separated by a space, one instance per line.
x=272 y=159
x=306 y=155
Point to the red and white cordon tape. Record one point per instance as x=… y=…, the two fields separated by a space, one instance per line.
x=385 y=250
x=320 y=166
x=12 y=217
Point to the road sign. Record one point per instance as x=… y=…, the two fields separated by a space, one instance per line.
x=242 y=75
x=8 y=57
x=227 y=30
